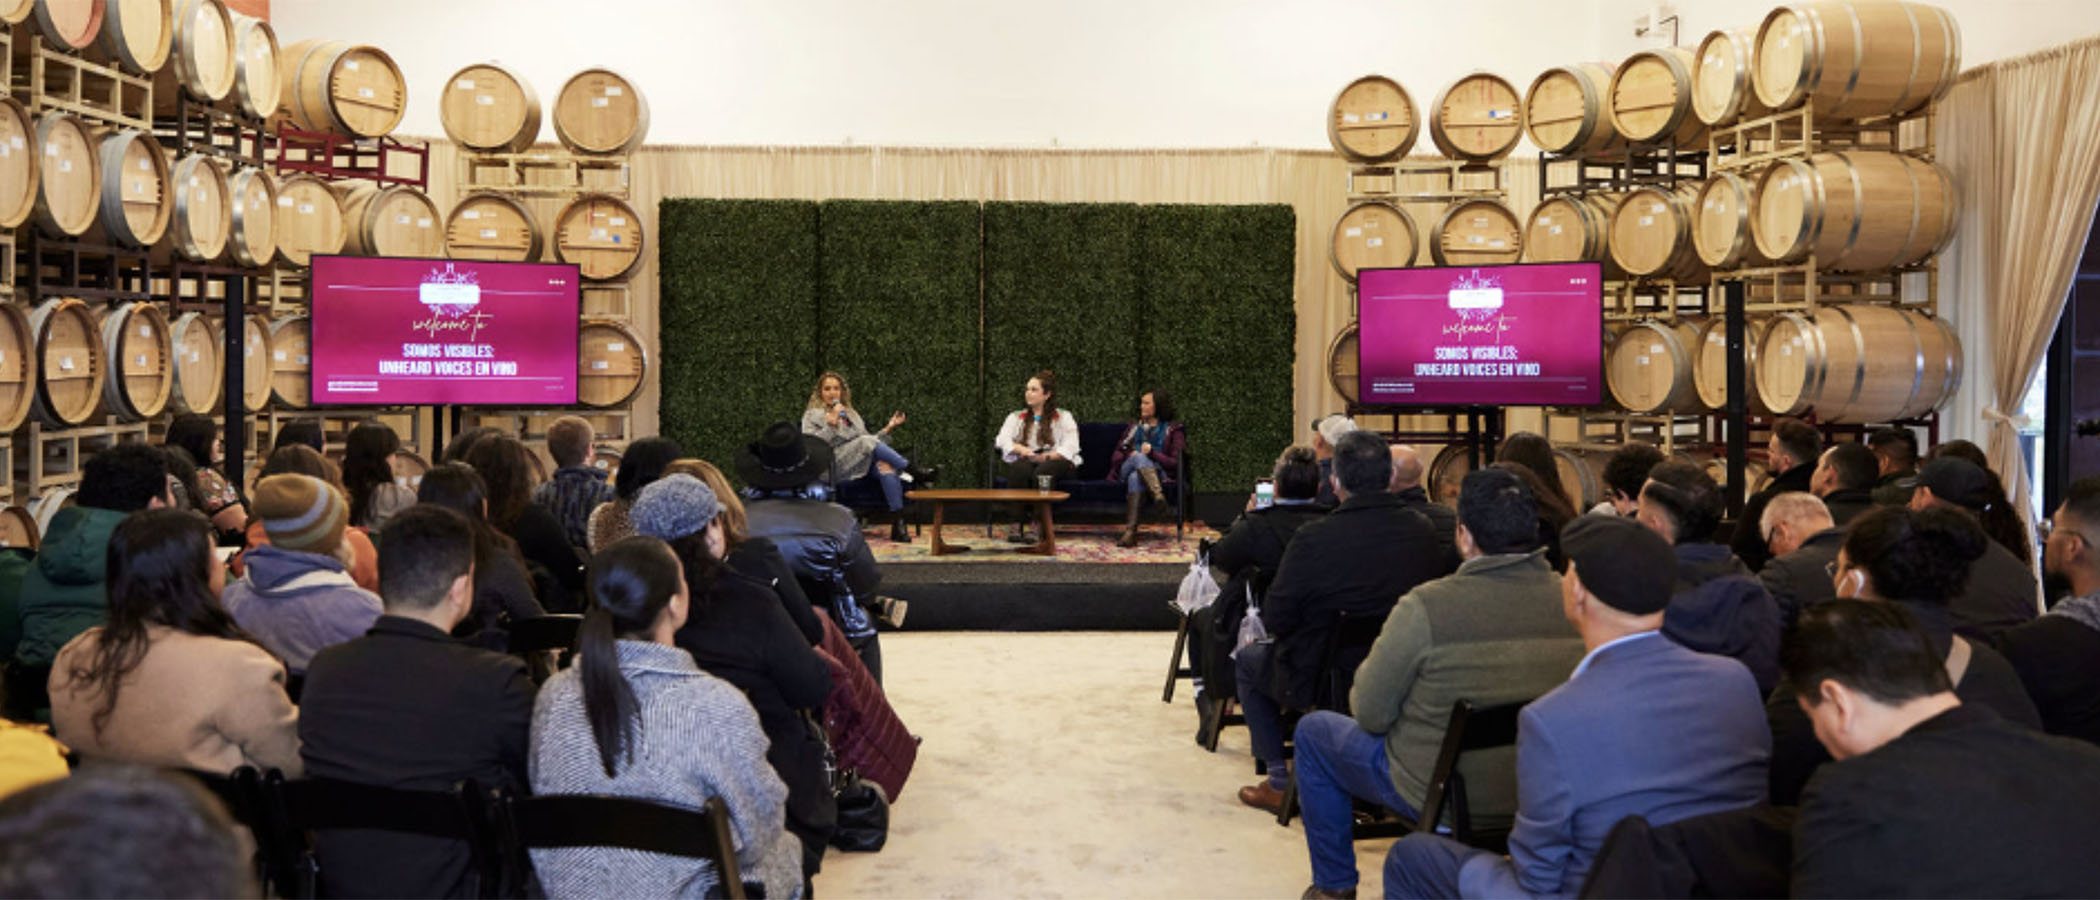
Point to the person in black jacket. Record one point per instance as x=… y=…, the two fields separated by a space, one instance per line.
x=2058 y=655
x=820 y=540
x=1930 y=796
x=2000 y=591
x=1896 y=453
x=738 y=632
x=1718 y=605
x=1407 y=485
x=502 y=583
x=505 y=466
x=1804 y=543
x=754 y=557
x=1790 y=455
x=1357 y=560
x=1844 y=478
x=408 y=706
x=1244 y=561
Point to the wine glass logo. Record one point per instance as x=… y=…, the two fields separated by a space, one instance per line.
x=449 y=292
x=1475 y=296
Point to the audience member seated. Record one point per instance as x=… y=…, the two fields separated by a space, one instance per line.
x=456 y=451
x=1717 y=605
x=1554 y=510
x=506 y=469
x=738 y=632
x=577 y=486
x=121 y=831
x=641 y=463
x=1844 y=478
x=636 y=718
x=1327 y=434
x=170 y=680
x=1896 y=458
x=1790 y=457
x=215 y=497
x=1244 y=561
x=299 y=459
x=819 y=539
x=368 y=476
x=1534 y=452
x=1929 y=797
x=1152 y=443
x=2000 y=591
x=2058 y=655
x=61 y=593
x=297 y=595
x=408 y=707
x=1407 y=485
x=1804 y=544
x=1492 y=633
x=1962 y=450
x=1625 y=471
x=1357 y=560
x=503 y=582
x=754 y=557
x=1644 y=727
x=1914 y=559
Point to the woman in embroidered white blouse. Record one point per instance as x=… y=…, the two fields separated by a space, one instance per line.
x=1038 y=440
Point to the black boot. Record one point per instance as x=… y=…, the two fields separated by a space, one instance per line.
x=898 y=532
x=922 y=476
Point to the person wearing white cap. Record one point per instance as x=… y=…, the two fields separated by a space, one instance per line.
x=1328 y=431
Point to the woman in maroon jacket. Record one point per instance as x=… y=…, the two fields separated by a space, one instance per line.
x=1151 y=443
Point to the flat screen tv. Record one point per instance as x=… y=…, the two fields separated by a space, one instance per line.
x=1518 y=335
x=422 y=332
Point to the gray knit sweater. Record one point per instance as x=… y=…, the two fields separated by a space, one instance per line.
x=696 y=737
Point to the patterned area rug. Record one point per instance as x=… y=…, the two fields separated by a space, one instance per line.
x=1075 y=543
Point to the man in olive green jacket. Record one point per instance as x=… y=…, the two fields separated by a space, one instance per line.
x=1491 y=633
x=63 y=591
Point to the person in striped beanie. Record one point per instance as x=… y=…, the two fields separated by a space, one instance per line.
x=297 y=595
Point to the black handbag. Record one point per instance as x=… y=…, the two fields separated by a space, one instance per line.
x=864 y=815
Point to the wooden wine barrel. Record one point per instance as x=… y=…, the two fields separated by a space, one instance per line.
x=1856 y=211
x=258 y=67
x=1568 y=110
x=490 y=108
x=1651 y=233
x=46 y=507
x=1755 y=476
x=606 y=460
x=1448 y=469
x=1582 y=475
x=70 y=364
x=1342 y=363
x=309 y=219
x=1477 y=232
x=1372 y=235
x=18 y=529
x=18 y=371
x=409 y=469
x=136 y=340
x=291 y=361
x=1721 y=232
x=257 y=361
x=203 y=209
x=1649 y=367
x=1721 y=88
x=203 y=62
x=1373 y=120
x=19 y=185
x=396 y=220
x=137 y=34
x=15 y=12
x=251 y=229
x=68 y=177
x=341 y=87
x=1856 y=60
x=492 y=226
x=136 y=201
x=1479 y=117
x=200 y=369
x=1710 y=364
x=600 y=111
x=612 y=363
x=1858 y=363
x=602 y=235
x=70 y=25
x=1572 y=228
x=1651 y=99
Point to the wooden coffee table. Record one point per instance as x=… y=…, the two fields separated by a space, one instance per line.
x=1041 y=500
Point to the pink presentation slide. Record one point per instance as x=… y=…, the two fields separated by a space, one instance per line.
x=1524 y=335
x=433 y=331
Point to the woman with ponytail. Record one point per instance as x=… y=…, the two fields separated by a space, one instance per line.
x=636 y=718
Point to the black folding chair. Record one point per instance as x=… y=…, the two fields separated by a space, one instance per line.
x=575 y=820
x=1471 y=728
x=537 y=638
x=1176 y=668
x=319 y=804
x=242 y=792
x=1347 y=645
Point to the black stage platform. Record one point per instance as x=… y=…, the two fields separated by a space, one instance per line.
x=1035 y=595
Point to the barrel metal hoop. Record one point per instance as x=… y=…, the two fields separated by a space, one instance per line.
x=1859 y=204
x=1917 y=211
x=1917 y=54
x=1811 y=53
x=1859 y=55
x=1812 y=225
x=1859 y=368
x=1917 y=355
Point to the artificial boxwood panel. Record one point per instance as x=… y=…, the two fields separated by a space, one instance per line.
x=1061 y=293
x=737 y=319
x=898 y=317
x=1220 y=329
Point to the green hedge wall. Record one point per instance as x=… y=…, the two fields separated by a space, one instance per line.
x=1061 y=293
x=898 y=311
x=738 y=318
x=1220 y=331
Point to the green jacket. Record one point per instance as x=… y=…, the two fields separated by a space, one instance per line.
x=63 y=594
x=1490 y=633
x=14 y=564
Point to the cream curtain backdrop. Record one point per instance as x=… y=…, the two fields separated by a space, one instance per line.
x=1313 y=183
x=2022 y=140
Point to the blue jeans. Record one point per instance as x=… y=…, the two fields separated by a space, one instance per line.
x=1252 y=668
x=1129 y=472
x=892 y=486
x=1336 y=760
x=1431 y=867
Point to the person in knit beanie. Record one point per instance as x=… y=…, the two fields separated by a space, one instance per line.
x=296 y=595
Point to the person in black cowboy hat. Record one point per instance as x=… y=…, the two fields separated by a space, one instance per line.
x=819 y=539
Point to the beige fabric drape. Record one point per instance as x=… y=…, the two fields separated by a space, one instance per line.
x=2022 y=139
x=1313 y=183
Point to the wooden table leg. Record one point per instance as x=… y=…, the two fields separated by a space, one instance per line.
x=1048 y=545
x=938 y=547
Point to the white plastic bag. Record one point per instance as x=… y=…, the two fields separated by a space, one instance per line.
x=1198 y=589
x=1251 y=630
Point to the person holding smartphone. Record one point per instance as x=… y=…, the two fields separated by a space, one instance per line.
x=1037 y=441
x=855 y=452
x=1150 y=443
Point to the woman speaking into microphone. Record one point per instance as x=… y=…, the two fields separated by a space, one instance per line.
x=855 y=453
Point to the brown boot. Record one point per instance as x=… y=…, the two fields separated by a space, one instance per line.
x=1151 y=479
x=1130 y=522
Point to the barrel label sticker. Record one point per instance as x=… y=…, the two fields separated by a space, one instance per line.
x=1547 y=220
x=65 y=363
x=488 y=234
x=1375 y=242
x=306 y=209
x=600 y=102
x=1498 y=243
x=201 y=195
x=146 y=331
x=1713 y=61
x=1641 y=360
x=465 y=84
x=350 y=64
x=141 y=361
x=616 y=347
x=196 y=356
x=1656 y=208
x=484 y=100
x=50 y=148
x=1378 y=116
x=138 y=187
x=470 y=214
x=1711 y=202
x=422 y=223
x=1475 y=239
x=599 y=234
x=16 y=142
x=364 y=93
x=1786 y=349
x=6 y=151
x=285 y=202
x=617 y=221
x=1353 y=232
x=304 y=360
x=145 y=165
x=1494 y=114
x=614 y=90
x=1555 y=229
x=1480 y=221
x=600 y=364
x=281 y=356
x=195 y=181
x=1647 y=221
x=1351 y=118
x=65 y=165
x=403 y=219
x=1656 y=349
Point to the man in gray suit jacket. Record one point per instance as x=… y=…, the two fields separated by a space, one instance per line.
x=1643 y=727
